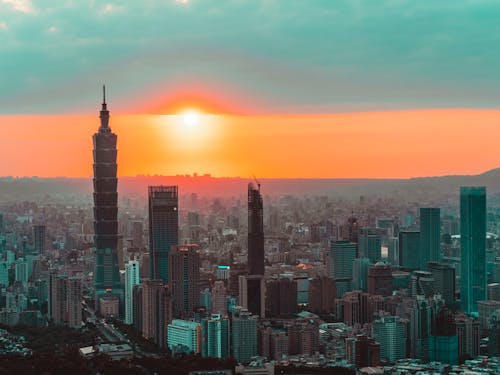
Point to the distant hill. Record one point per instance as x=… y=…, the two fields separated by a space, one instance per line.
x=29 y=188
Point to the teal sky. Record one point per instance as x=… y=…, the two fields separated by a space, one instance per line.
x=281 y=55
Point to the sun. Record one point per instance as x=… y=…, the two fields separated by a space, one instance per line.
x=190 y=118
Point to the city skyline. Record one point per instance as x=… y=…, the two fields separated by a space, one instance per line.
x=380 y=94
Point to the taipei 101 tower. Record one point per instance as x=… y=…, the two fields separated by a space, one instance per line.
x=107 y=275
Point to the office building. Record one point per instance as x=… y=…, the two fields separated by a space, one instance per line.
x=156 y=310
x=370 y=244
x=362 y=351
x=360 y=268
x=219 y=297
x=485 y=310
x=473 y=247
x=163 y=228
x=215 y=336
x=468 y=332
x=106 y=275
x=132 y=278
x=322 y=294
x=421 y=283
x=340 y=260
x=380 y=279
x=391 y=333
x=74 y=294
x=184 y=278
x=252 y=294
x=281 y=298
x=39 y=238
x=444 y=281
x=430 y=236
x=350 y=232
x=420 y=328
x=243 y=335
x=409 y=249
x=184 y=336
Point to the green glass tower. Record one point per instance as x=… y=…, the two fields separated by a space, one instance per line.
x=409 y=247
x=430 y=236
x=473 y=247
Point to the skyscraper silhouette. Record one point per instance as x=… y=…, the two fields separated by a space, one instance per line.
x=163 y=228
x=430 y=236
x=473 y=247
x=255 y=231
x=106 y=275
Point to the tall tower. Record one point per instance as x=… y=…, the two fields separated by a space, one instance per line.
x=106 y=275
x=430 y=236
x=473 y=247
x=39 y=238
x=163 y=228
x=132 y=279
x=255 y=231
x=184 y=278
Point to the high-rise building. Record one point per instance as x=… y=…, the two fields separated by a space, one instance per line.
x=360 y=268
x=219 y=297
x=58 y=299
x=380 y=279
x=350 y=232
x=255 y=231
x=363 y=351
x=39 y=236
x=74 y=294
x=430 y=236
x=281 y=298
x=163 y=228
x=473 y=247
x=156 y=310
x=184 y=278
x=132 y=279
x=444 y=280
x=137 y=234
x=468 y=333
x=184 y=336
x=106 y=275
x=252 y=294
x=341 y=257
x=421 y=283
x=420 y=328
x=409 y=248
x=485 y=310
x=243 y=335
x=370 y=244
x=390 y=332
x=322 y=294
x=215 y=336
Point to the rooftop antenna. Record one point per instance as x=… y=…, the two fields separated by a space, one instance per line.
x=103 y=94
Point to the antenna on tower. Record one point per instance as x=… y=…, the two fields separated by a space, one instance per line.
x=103 y=94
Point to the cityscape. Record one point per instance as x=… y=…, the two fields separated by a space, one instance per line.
x=306 y=264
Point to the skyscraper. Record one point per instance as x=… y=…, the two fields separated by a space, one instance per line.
x=74 y=295
x=106 y=276
x=341 y=258
x=156 y=310
x=252 y=286
x=409 y=248
x=380 y=279
x=281 y=298
x=430 y=236
x=255 y=231
x=444 y=280
x=163 y=228
x=132 y=278
x=39 y=238
x=473 y=247
x=184 y=278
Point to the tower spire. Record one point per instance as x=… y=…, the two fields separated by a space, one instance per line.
x=104 y=116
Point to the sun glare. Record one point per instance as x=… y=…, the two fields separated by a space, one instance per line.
x=190 y=119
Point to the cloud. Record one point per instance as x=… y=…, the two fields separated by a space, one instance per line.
x=24 y=6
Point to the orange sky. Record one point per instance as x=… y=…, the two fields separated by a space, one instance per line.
x=373 y=145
